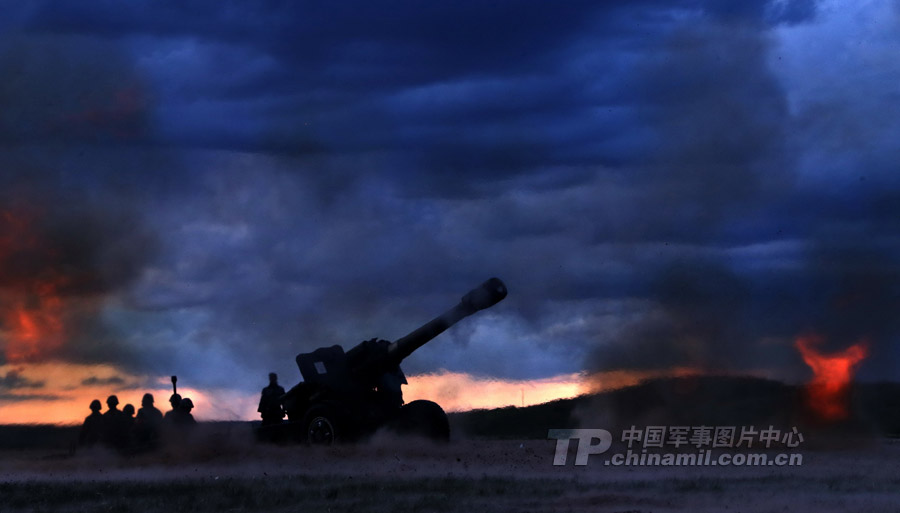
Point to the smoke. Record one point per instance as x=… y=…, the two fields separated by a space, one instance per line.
x=720 y=118
x=71 y=236
x=855 y=292
x=726 y=172
x=94 y=250
x=698 y=322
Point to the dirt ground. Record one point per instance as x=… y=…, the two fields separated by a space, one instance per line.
x=230 y=474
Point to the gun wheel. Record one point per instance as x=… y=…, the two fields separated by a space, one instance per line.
x=319 y=427
x=320 y=431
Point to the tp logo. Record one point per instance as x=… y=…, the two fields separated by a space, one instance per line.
x=586 y=445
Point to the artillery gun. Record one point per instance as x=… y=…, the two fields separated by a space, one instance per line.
x=347 y=395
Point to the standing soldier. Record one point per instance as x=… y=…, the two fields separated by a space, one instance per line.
x=92 y=429
x=128 y=426
x=174 y=400
x=148 y=423
x=115 y=429
x=184 y=417
x=270 y=402
x=128 y=410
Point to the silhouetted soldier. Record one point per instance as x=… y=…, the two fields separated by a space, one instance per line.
x=128 y=425
x=128 y=410
x=92 y=429
x=270 y=402
x=183 y=417
x=115 y=425
x=174 y=400
x=148 y=423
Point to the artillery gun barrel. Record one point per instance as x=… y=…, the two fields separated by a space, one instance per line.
x=484 y=296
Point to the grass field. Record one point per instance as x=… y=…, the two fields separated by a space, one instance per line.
x=498 y=461
x=391 y=475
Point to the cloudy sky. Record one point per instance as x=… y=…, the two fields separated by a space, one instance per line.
x=209 y=188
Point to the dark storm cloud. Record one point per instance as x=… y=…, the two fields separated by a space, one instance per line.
x=312 y=176
x=94 y=380
x=68 y=88
x=457 y=36
x=14 y=380
x=720 y=118
x=28 y=397
x=466 y=87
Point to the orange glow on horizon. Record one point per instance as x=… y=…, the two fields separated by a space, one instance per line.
x=59 y=393
x=832 y=374
x=456 y=391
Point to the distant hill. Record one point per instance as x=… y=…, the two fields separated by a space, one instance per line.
x=691 y=401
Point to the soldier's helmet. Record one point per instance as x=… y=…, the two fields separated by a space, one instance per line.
x=147 y=400
x=128 y=410
x=174 y=399
x=186 y=404
x=95 y=405
x=273 y=377
x=112 y=401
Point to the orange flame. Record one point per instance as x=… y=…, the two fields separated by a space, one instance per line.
x=34 y=331
x=827 y=390
x=31 y=309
